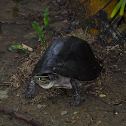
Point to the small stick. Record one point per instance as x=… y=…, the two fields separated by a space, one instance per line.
x=27 y=47
x=63 y=7
x=29 y=120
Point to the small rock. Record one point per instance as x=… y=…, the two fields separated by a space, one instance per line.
x=75 y=113
x=3 y=94
x=116 y=113
x=39 y=106
x=15 y=109
x=63 y=113
x=44 y=106
x=105 y=112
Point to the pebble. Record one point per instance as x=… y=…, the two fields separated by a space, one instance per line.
x=116 y=113
x=3 y=94
x=64 y=113
x=75 y=113
x=15 y=109
x=39 y=106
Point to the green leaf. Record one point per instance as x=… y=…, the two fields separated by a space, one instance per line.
x=116 y=9
x=42 y=27
x=38 y=101
x=46 y=17
x=26 y=51
x=14 y=47
x=38 y=29
x=50 y=33
x=17 y=47
x=36 y=26
x=42 y=37
x=122 y=7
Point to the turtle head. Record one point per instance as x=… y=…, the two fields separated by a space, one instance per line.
x=44 y=81
x=49 y=80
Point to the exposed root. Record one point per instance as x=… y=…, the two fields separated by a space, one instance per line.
x=19 y=116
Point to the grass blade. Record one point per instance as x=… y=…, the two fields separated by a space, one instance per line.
x=122 y=8
x=85 y=32
x=116 y=9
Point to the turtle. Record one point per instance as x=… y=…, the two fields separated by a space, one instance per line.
x=65 y=64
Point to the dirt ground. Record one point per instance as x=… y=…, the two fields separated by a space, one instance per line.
x=103 y=101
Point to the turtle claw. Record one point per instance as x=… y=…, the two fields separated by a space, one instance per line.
x=29 y=94
x=30 y=91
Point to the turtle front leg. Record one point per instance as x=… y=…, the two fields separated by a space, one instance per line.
x=77 y=100
x=30 y=91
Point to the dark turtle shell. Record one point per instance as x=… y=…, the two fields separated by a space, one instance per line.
x=70 y=57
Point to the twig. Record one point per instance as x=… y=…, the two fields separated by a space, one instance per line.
x=64 y=7
x=29 y=120
x=5 y=83
x=27 y=47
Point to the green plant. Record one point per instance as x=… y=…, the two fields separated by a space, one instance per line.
x=14 y=48
x=85 y=32
x=40 y=29
x=121 y=6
